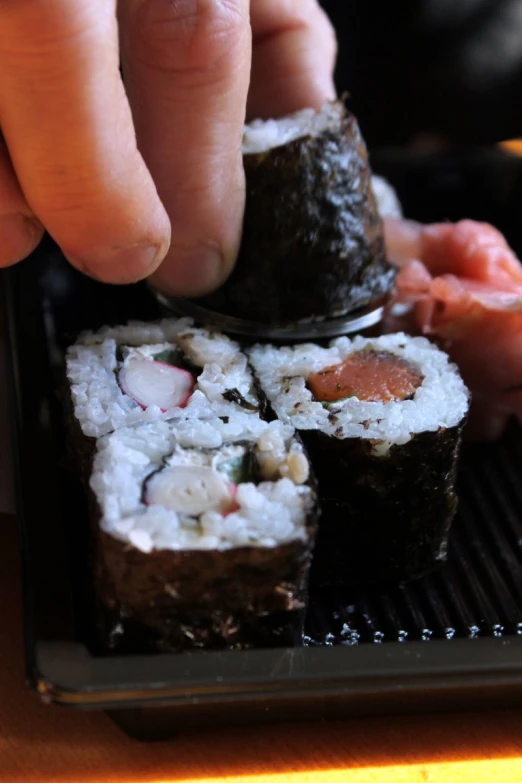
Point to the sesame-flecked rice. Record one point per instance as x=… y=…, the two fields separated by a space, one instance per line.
x=101 y=406
x=441 y=401
x=262 y=135
x=268 y=514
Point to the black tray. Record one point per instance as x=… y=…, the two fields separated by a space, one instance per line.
x=450 y=641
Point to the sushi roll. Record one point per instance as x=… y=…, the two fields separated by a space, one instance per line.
x=382 y=419
x=386 y=198
x=313 y=245
x=204 y=533
x=124 y=375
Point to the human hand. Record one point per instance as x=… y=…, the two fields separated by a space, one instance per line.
x=111 y=172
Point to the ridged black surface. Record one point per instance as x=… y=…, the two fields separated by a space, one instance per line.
x=478 y=592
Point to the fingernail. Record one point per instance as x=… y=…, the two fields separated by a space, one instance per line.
x=19 y=235
x=124 y=265
x=190 y=273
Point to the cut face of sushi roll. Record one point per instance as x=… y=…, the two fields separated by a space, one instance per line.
x=145 y=372
x=382 y=420
x=313 y=244
x=204 y=533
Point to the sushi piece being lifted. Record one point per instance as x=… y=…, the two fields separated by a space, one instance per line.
x=386 y=197
x=204 y=533
x=146 y=372
x=313 y=245
x=382 y=420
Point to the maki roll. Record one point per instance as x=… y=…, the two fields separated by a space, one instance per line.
x=382 y=420
x=124 y=375
x=313 y=245
x=386 y=197
x=204 y=534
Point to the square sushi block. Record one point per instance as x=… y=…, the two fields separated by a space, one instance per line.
x=146 y=372
x=204 y=531
x=382 y=420
x=142 y=372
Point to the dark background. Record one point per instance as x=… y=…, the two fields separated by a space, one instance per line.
x=452 y=68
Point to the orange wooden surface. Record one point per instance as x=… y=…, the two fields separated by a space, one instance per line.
x=41 y=744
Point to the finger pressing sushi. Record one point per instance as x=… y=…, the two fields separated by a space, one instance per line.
x=313 y=244
x=204 y=532
x=144 y=372
x=382 y=420
x=464 y=287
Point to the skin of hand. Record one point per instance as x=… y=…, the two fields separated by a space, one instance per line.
x=143 y=176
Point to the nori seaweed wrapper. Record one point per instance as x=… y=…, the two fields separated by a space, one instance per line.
x=171 y=601
x=313 y=244
x=384 y=518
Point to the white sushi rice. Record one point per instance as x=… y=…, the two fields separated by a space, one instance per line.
x=441 y=400
x=386 y=197
x=100 y=405
x=272 y=513
x=263 y=135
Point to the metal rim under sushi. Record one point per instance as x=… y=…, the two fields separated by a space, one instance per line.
x=348 y=323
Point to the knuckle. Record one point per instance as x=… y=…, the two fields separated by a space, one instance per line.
x=38 y=28
x=190 y=37
x=87 y=223
x=81 y=218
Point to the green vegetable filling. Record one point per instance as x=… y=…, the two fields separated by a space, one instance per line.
x=239 y=470
x=169 y=356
